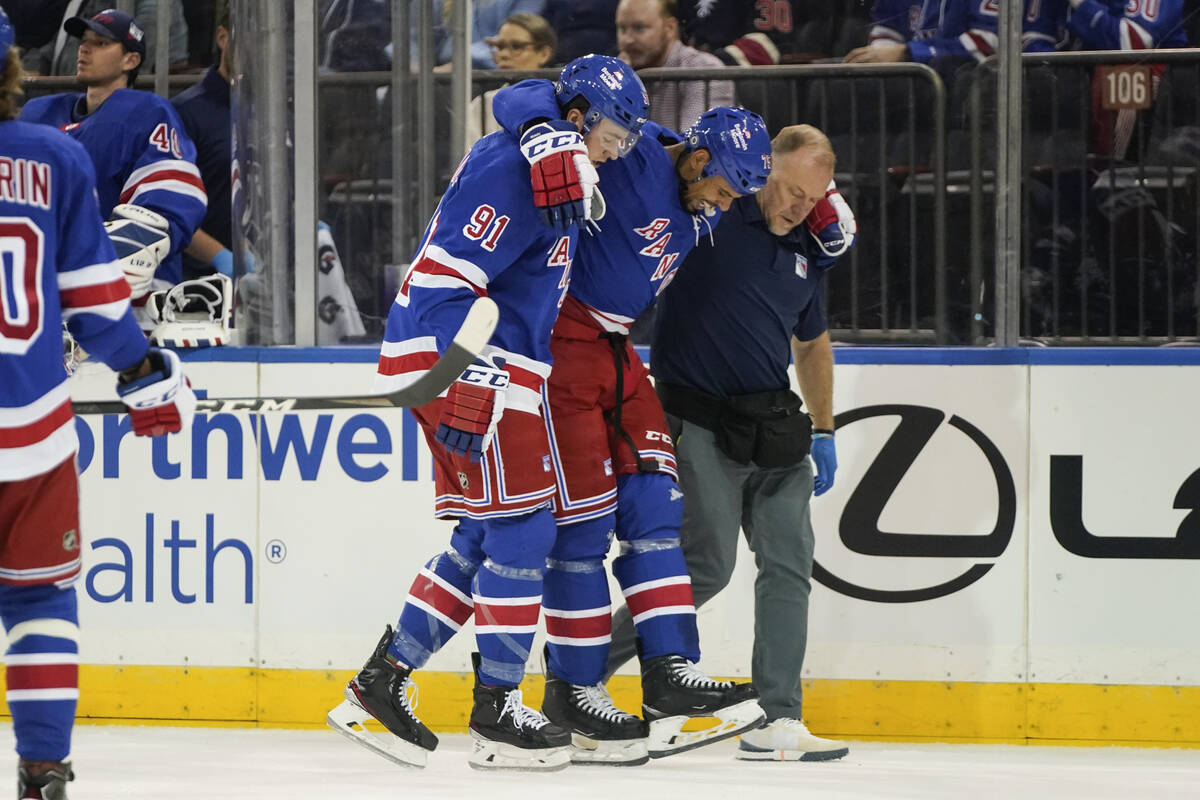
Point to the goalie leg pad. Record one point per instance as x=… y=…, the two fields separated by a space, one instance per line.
x=142 y=240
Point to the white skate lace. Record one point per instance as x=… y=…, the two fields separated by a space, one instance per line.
x=522 y=715
x=595 y=700
x=690 y=675
x=407 y=696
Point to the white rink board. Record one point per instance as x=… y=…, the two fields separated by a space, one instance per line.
x=333 y=536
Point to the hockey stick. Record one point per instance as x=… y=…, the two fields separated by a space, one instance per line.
x=471 y=338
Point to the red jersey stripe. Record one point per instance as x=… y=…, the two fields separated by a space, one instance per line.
x=35 y=432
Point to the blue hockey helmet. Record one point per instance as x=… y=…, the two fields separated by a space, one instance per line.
x=612 y=91
x=7 y=37
x=738 y=145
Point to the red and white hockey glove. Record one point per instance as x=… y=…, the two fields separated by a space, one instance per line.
x=473 y=407
x=832 y=224
x=162 y=401
x=562 y=176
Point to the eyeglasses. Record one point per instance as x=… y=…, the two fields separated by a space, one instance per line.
x=516 y=47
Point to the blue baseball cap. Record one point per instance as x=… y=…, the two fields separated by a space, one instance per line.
x=114 y=24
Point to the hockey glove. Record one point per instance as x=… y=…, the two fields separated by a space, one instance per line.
x=474 y=404
x=162 y=401
x=562 y=176
x=824 y=455
x=832 y=224
x=141 y=240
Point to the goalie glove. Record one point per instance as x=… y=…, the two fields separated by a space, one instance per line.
x=160 y=402
x=832 y=224
x=472 y=409
x=141 y=239
x=195 y=313
x=562 y=176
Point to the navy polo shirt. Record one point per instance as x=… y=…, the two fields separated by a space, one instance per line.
x=725 y=324
x=204 y=109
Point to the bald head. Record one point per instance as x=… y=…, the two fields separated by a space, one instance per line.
x=802 y=167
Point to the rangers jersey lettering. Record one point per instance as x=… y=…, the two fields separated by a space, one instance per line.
x=486 y=238
x=141 y=155
x=1122 y=24
x=56 y=263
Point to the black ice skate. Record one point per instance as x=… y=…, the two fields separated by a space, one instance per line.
x=43 y=780
x=510 y=735
x=381 y=691
x=601 y=733
x=674 y=690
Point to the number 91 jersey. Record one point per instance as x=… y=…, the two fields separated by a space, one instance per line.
x=486 y=238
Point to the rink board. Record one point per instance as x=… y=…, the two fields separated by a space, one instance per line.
x=1005 y=555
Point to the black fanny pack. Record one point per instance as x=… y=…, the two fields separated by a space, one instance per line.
x=768 y=428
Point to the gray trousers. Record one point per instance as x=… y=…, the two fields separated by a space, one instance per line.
x=771 y=507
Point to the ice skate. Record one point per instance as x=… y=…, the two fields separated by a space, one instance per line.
x=43 y=780
x=675 y=690
x=384 y=692
x=601 y=733
x=788 y=739
x=510 y=735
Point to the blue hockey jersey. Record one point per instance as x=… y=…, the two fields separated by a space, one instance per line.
x=937 y=28
x=56 y=263
x=645 y=225
x=1114 y=24
x=141 y=154
x=486 y=238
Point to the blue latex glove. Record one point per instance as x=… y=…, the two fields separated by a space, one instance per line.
x=222 y=262
x=824 y=455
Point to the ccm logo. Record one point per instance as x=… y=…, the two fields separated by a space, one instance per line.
x=480 y=376
x=545 y=145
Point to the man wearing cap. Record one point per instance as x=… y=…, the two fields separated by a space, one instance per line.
x=150 y=189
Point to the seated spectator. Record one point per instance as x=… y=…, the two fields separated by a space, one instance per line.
x=583 y=26
x=757 y=33
x=525 y=41
x=953 y=30
x=648 y=36
x=487 y=17
x=59 y=55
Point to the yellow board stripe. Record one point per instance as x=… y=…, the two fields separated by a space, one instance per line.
x=1043 y=713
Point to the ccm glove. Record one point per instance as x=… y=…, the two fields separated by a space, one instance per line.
x=824 y=455
x=832 y=223
x=562 y=176
x=160 y=402
x=141 y=239
x=474 y=404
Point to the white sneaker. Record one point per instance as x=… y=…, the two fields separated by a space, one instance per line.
x=787 y=739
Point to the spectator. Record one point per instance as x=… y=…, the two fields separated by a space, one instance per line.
x=488 y=16
x=356 y=35
x=756 y=33
x=59 y=55
x=35 y=22
x=648 y=36
x=525 y=41
x=205 y=111
x=583 y=26
x=953 y=30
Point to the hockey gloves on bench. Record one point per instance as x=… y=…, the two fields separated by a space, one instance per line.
x=563 y=178
x=161 y=401
x=141 y=239
x=473 y=406
x=832 y=223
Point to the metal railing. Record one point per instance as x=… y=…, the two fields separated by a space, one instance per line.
x=1110 y=244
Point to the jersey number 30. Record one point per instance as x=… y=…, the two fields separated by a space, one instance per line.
x=20 y=281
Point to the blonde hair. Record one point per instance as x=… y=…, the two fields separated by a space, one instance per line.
x=10 y=85
x=539 y=31
x=797 y=137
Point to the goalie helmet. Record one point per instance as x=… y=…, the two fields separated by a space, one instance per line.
x=196 y=313
x=738 y=145
x=612 y=91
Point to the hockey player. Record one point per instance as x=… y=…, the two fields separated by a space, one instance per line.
x=150 y=190
x=488 y=435
x=928 y=30
x=613 y=459
x=56 y=263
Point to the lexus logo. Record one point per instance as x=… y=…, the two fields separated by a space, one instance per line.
x=859 y=526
